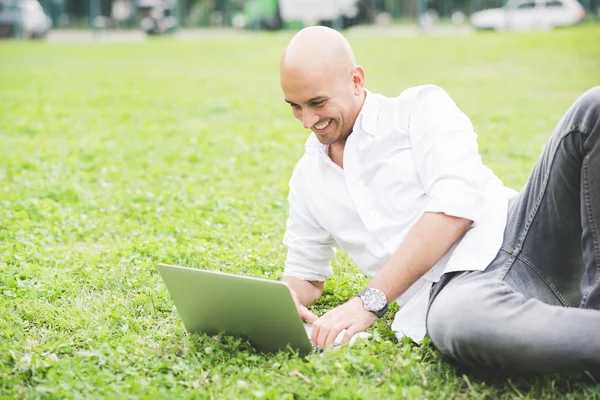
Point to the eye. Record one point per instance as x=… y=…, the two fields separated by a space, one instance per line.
x=318 y=104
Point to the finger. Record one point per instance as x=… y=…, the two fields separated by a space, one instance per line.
x=317 y=327
x=307 y=315
x=322 y=336
x=334 y=333
x=314 y=332
x=325 y=331
x=350 y=332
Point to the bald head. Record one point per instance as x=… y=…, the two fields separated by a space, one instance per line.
x=318 y=47
x=322 y=83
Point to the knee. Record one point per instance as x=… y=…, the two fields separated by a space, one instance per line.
x=585 y=112
x=466 y=324
x=591 y=96
x=451 y=321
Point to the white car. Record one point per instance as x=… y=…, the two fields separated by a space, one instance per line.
x=26 y=16
x=313 y=11
x=529 y=15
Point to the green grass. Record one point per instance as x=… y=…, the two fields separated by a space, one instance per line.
x=114 y=157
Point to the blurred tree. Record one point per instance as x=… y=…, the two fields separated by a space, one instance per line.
x=198 y=12
x=56 y=10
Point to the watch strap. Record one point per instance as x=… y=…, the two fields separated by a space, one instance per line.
x=380 y=313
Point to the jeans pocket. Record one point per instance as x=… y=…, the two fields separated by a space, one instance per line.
x=525 y=278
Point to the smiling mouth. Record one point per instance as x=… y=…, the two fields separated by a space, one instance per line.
x=323 y=125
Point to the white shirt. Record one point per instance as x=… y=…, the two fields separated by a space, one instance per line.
x=406 y=155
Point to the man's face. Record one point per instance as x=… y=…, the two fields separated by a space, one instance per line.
x=325 y=103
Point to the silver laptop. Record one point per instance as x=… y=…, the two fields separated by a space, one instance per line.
x=259 y=310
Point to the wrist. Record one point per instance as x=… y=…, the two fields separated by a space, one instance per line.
x=375 y=301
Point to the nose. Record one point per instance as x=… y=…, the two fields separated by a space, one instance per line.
x=309 y=119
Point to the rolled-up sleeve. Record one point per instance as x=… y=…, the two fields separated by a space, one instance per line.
x=447 y=156
x=310 y=247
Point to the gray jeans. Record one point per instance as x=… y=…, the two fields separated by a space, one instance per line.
x=536 y=307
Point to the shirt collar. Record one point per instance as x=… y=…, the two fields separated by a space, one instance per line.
x=312 y=145
x=366 y=121
x=369 y=114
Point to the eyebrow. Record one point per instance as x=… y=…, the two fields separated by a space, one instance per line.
x=313 y=100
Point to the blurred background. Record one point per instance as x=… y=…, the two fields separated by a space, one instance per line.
x=41 y=18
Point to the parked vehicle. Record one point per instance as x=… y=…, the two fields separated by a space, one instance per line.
x=322 y=12
x=276 y=14
x=529 y=14
x=25 y=18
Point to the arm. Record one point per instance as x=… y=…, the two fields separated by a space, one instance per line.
x=307 y=291
x=304 y=293
x=426 y=243
x=310 y=250
x=450 y=168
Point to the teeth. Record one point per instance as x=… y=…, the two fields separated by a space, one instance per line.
x=323 y=125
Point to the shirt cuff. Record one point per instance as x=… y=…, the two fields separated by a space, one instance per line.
x=456 y=198
x=299 y=266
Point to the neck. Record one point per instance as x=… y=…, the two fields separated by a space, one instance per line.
x=336 y=152
x=359 y=105
x=361 y=102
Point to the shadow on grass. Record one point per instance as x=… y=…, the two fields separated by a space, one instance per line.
x=520 y=383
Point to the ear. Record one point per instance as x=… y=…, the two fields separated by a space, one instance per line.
x=357 y=75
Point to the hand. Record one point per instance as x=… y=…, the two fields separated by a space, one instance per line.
x=304 y=312
x=351 y=316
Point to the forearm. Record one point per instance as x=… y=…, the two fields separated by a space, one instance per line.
x=307 y=291
x=427 y=242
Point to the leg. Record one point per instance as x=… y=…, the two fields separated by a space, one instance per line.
x=481 y=321
x=511 y=316
x=556 y=215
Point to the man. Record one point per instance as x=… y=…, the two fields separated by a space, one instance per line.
x=493 y=277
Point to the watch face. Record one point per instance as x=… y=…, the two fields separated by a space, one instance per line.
x=374 y=300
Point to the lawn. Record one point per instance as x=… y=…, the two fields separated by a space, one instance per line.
x=114 y=157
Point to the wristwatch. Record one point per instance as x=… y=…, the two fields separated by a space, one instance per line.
x=374 y=300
